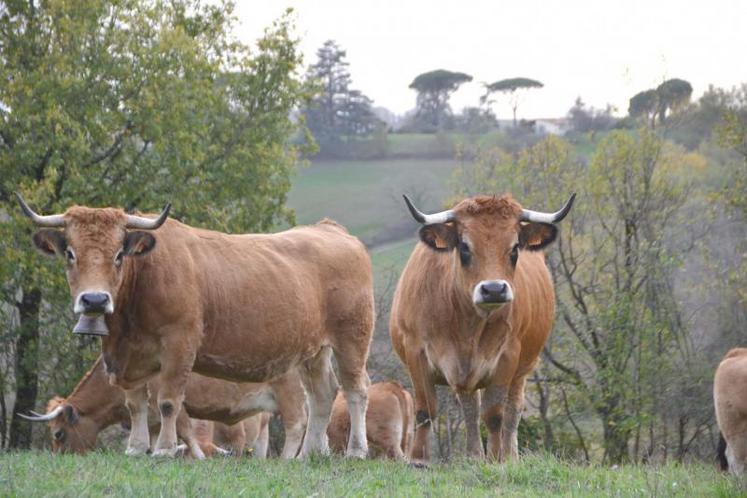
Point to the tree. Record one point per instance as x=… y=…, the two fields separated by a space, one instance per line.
x=512 y=87
x=672 y=95
x=434 y=90
x=336 y=111
x=130 y=104
x=644 y=104
x=584 y=119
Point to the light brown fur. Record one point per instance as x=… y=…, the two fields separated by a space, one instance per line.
x=237 y=409
x=245 y=308
x=389 y=421
x=730 y=400
x=443 y=339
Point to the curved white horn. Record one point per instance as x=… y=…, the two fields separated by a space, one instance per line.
x=540 y=217
x=429 y=219
x=51 y=221
x=142 y=223
x=37 y=417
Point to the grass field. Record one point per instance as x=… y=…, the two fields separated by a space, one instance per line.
x=366 y=196
x=42 y=474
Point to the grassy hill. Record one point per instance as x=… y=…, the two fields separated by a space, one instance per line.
x=366 y=196
x=30 y=474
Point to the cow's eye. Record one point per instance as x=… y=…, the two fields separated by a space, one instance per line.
x=118 y=258
x=69 y=255
x=515 y=254
x=59 y=435
x=464 y=253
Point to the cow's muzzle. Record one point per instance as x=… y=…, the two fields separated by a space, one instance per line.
x=491 y=294
x=92 y=305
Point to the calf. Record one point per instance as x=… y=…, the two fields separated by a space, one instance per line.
x=389 y=421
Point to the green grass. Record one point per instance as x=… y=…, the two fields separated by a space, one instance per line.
x=42 y=474
x=366 y=196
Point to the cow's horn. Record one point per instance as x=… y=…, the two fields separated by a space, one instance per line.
x=37 y=417
x=52 y=220
x=540 y=217
x=429 y=219
x=142 y=223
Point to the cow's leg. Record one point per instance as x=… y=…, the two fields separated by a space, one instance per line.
x=262 y=443
x=354 y=379
x=186 y=433
x=292 y=409
x=176 y=365
x=316 y=374
x=136 y=401
x=470 y=402
x=426 y=407
x=511 y=417
x=736 y=453
x=493 y=401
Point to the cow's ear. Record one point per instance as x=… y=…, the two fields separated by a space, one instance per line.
x=138 y=243
x=440 y=236
x=50 y=242
x=71 y=414
x=536 y=236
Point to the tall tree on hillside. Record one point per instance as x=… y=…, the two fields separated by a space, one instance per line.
x=128 y=104
x=513 y=87
x=654 y=104
x=337 y=110
x=673 y=95
x=434 y=90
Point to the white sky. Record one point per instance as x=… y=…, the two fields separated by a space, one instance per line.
x=604 y=51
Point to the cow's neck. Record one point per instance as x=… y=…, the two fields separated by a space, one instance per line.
x=95 y=398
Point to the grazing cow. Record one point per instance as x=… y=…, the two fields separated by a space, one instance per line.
x=730 y=400
x=389 y=421
x=95 y=404
x=472 y=310
x=245 y=308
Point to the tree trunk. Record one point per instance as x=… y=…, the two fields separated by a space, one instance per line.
x=26 y=363
x=615 y=441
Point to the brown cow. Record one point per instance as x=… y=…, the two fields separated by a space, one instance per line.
x=472 y=310
x=389 y=421
x=245 y=308
x=730 y=400
x=95 y=404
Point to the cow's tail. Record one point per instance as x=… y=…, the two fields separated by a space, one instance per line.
x=723 y=463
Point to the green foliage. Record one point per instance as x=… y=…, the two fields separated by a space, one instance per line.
x=672 y=95
x=135 y=103
x=337 y=114
x=434 y=90
x=510 y=86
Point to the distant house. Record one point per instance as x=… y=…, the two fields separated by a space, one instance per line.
x=552 y=126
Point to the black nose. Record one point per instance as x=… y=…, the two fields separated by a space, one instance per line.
x=493 y=292
x=94 y=301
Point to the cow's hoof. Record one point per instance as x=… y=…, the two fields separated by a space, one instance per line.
x=360 y=453
x=165 y=452
x=135 y=451
x=419 y=464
